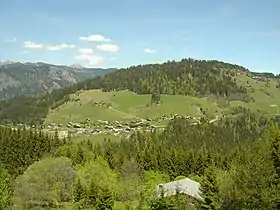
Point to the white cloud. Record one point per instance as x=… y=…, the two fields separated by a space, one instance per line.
x=91 y=59
x=147 y=50
x=85 y=50
x=32 y=45
x=13 y=40
x=95 y=38
x=108 y=47
x=59 y=47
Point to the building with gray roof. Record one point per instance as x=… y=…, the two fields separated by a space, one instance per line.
x=183 y=186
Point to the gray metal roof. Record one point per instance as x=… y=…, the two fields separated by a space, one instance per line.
x=186 y=186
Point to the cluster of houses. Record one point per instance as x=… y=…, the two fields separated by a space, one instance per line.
x=113 y=127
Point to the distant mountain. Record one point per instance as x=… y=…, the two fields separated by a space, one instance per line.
x=31 y=79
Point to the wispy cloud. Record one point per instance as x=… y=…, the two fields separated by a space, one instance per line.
x=108 y=47
x=13 y=40
x=59 y=47
x=94 y=60
x=150 y=51
x=32 y=45
x=95 y=38
x=86 y=50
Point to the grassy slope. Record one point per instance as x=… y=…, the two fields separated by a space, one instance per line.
x=127 y=106
x=266 y=96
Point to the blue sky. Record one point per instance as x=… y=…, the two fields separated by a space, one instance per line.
x=120 y=33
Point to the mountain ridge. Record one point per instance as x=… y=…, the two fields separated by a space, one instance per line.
x=33 y=79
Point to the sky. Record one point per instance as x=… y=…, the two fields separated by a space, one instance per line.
x=121 y=33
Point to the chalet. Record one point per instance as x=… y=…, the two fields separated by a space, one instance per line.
x=183 y=186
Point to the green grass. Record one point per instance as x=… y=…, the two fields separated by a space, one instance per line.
x=266 y=95
x=127 y=106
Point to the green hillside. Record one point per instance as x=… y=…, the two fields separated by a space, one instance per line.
x=126 y=139
x=183 y=86
x=127 y=105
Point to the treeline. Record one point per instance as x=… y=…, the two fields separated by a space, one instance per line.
x=237 y=166
x=19 y=148
x=187 y=77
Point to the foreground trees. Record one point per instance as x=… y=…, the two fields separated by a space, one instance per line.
x=235 y=159
x=46 y=183
x=5 y=188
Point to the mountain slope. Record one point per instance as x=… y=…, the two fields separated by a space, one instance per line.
x=31 y=79
x=217 y=81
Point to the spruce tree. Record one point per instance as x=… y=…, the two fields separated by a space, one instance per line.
x=209 y=190
x=79 y=156
x=105 y=200
x=92 y=194
x=68 y=152
x=5 y=188
x=275 y=156
x=78 y=193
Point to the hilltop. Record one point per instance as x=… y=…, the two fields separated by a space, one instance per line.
x=199 y=88
x=32 y=79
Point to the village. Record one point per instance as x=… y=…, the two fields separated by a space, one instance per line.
x=89 y=127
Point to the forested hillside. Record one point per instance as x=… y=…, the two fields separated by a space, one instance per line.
x=186 y=77
x=233 y=160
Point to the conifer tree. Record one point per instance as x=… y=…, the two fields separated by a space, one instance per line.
x=5 y=188
x=105 y=200
x=78 y=193
x=79 y=156
x=209 y=190
x=68 y=153
x=275 y=155
x=92 y=194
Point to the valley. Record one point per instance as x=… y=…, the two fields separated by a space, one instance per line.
x=114 y=139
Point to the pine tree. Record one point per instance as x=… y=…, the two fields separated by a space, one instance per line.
x=5 y=188
x=68 y=152
x=92 y=194
x=79 y=156
x=78 y=193
x=275 y=155
x=158 y=204
x=105 y=200
x=209 y=190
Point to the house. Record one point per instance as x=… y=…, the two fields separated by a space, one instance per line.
x=185 y=186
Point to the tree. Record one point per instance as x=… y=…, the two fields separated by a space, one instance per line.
x=47 y=182
x=105 y=199
x=78 y=191
x=209 y=190
x=79 y=156
x=92 y=196
x=275 y=156
x=5 y=188
x=155 y=98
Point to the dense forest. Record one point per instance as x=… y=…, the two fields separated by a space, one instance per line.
x=236 y=160
x=187 y=77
